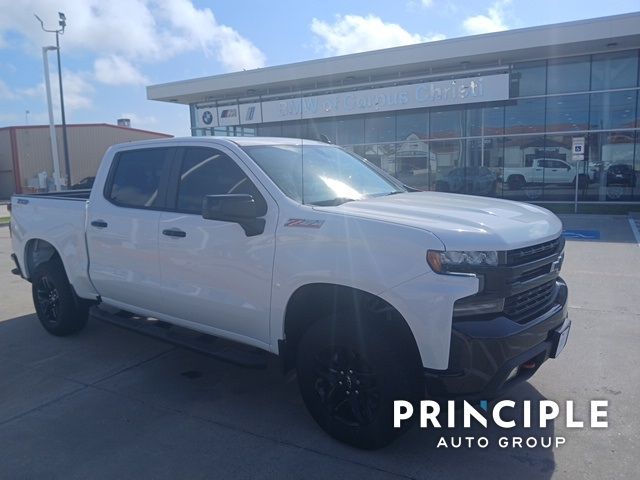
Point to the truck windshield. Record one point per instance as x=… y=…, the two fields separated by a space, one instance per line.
x=321 y=175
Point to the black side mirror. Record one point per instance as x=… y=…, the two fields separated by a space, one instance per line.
x=240 y=209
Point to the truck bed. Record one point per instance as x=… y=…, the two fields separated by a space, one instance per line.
x=58 y=218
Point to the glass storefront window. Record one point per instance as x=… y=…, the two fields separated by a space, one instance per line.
x=350 y=131
x=559 y=171
x=613 y=110
x=520 y=179
x=636 y=167
x=321 y=129
x=415 y=165
x=493 y=120
x=270 y=130
x=382 y=156
x=292 y=129
x=448 y=157
x=380 y=128
x=567 y=112
x=478 y=177
x=528 y=79
x=446 y=123
x=568 y=75
x=614 y=70
x=485 y=121
x=638 y=109
x=412 y=125
x=613 y=174
x=525 y=116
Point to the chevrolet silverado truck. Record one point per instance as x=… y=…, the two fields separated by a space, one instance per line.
x=544 y=171
x=370 y=291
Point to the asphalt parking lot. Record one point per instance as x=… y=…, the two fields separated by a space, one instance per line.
x=108 y=403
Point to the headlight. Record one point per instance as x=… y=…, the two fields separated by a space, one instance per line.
x=443 y=262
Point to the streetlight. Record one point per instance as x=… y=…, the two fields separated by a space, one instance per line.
x=62 y=23
x=52 y=127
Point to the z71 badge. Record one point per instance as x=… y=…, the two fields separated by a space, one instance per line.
x=303 y=222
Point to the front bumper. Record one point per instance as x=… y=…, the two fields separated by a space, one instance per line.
x=487 y=357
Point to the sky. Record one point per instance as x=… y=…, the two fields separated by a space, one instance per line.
x=112 y=49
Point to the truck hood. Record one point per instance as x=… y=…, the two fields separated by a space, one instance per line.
x=461 y=222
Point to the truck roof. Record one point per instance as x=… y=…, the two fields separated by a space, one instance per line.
x=240 y=141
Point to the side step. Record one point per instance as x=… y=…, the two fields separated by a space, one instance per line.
x=218 y=348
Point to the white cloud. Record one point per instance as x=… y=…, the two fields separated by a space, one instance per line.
x=354 y=33
x=146 y=30
x=493 y=21
x=199 y=28
x=140 y=121
x=123 y=36
x=77 y=91
x=115 y=70
x=427 y=3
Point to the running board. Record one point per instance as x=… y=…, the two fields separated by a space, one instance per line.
x=218 y=348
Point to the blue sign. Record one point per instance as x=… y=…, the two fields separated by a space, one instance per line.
x=582 y=234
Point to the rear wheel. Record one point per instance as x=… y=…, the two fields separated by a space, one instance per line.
x=349 y=374
x=516 y=182
x=60 y=312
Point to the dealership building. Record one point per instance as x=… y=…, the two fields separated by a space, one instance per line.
x=522 y=114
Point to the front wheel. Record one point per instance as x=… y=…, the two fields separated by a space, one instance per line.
x=57 y=307
x=349 y=374
x=583 y=181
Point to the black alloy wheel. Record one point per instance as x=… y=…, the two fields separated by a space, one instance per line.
x=58 y=308
x=351 y=368
x=347 y=386
x=48 y=300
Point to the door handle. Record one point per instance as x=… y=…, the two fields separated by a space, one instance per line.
x=174 y=232
x=99 y=224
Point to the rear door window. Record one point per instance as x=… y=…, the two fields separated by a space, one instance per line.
x=136 y=178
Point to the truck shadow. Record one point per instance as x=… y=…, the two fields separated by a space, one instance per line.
x=264 y=404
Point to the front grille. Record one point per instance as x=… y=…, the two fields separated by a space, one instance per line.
x=536 y=252
x=525 y=305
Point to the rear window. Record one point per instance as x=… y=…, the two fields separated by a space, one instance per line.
x=136 y=178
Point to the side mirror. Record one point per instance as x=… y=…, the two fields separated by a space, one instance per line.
x=240 y=209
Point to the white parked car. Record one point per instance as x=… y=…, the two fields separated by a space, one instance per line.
x=370 y=291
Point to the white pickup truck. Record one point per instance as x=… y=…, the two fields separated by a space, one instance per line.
x=372 y=292
x=539 y=171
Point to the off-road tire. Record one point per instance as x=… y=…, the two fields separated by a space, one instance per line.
x=386 y=372
x=59 y=310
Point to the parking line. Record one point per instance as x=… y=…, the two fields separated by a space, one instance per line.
x=634 y=229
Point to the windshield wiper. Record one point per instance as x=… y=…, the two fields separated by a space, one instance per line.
x=385 y=194
x=334 y=202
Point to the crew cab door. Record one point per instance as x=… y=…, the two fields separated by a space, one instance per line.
x=536 y=173
x=561 y=172
x=122 y=228
x=213 y=273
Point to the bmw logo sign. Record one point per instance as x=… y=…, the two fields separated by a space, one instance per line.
x=207 y=118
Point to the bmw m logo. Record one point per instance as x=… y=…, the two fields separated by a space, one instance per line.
x=207 y=118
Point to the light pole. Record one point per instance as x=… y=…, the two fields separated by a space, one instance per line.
x=52 y=126
x=62 y=22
